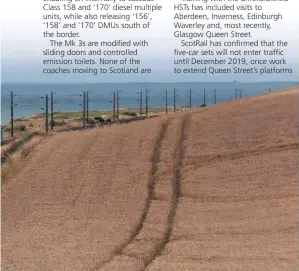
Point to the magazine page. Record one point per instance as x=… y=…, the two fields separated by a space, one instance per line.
x=149 y=135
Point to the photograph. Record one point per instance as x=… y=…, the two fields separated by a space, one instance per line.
x=149 y=135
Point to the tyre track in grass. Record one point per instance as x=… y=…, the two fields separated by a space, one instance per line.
x=150 y=197
x=176 y=192
x=145 y=246
x=156 y=160
x=151 y=188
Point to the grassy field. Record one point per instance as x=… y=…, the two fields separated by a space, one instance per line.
x=214 y=188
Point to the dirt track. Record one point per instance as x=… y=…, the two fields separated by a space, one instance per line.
x=212 y=189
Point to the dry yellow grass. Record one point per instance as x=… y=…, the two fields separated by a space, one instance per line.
x=238 y=206
x=81 y=191
x=18 y=160
x=211 y=189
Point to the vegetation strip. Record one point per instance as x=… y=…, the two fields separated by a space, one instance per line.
x=15 y=147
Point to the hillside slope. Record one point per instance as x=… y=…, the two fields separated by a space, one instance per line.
x=210 y=189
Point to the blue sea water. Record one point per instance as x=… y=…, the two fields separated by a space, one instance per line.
x=67 y=96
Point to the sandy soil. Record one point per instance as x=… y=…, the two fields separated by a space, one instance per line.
x=211 y=189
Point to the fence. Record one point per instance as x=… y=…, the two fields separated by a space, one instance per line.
x=48 y=119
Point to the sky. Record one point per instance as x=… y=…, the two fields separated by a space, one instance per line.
x=22 y=44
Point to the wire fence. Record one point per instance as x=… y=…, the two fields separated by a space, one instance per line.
x=58 y=111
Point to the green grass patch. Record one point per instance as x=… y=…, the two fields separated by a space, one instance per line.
x=93 y=114
x=129 y=113
x=16 y=128
x=16 y=146
x=76 y=115
x=58 y=123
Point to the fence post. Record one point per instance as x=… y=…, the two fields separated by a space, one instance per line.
x=84 y=110
x=174 y=100
x=87 y=107
x=114 y=106
x=117 y=104
x=52 y=111
x=11 y=113
x=47 y=114
x=215 y=99
x=146 y=102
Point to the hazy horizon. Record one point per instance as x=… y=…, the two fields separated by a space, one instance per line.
x=145 y=82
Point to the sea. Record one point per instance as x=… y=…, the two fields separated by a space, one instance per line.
x=29 y=98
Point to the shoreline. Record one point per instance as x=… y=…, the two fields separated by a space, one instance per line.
x=102 y=111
